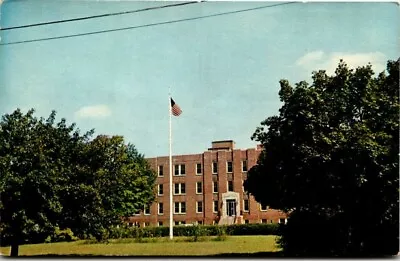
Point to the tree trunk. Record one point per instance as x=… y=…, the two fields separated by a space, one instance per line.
x=14 y=249
x=14 y=246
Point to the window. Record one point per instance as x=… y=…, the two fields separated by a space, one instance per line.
x=246 y=221
x=215 y=206
x=160 y=223
x=264 y=221
x=244 y=165
x=146 y=224
x=215 y=187
x=214 y=167
x=199 y=187
x=160 y=208
x=180 y=207
x=199 y=206
x=282 y=221
x=180 y=188
x=160 y=189
x=229 y=167
x=198 y=168
x=179 y=170
x=263 y=207
x=246 y=205
x=177 y=223
x=146 y=210
x=160 y=170
x=230 y=185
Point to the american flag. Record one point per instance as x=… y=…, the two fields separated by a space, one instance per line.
x=176 y=110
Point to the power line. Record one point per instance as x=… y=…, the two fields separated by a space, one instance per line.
x=97 y=16
x=145 y=25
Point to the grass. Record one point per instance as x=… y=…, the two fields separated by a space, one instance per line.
x=232 y=246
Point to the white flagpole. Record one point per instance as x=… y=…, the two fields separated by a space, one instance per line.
x=171 y=233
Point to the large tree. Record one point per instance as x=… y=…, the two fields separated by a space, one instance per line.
x=53 y=177
x=120 y=180
x=330 y=159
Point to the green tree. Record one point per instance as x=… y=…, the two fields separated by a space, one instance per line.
x=121 y=180
x=52 y=177
x=330 y=159
x=31 y=159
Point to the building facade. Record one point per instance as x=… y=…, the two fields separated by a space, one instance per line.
x=207 y=189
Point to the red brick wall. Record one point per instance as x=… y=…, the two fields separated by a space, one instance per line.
x=254 y=215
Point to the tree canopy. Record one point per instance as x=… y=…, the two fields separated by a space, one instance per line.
x=53 y=177
x=330 y=159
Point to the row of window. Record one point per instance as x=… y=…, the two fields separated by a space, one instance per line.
x=180 y=207
x=180 y=169
x=180 y=188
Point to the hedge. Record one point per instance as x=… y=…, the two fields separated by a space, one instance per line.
x=150 y=232
x=203 y=230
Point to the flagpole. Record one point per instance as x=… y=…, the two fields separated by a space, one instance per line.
x=171 y=233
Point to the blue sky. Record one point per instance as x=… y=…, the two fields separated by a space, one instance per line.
x=224 y=71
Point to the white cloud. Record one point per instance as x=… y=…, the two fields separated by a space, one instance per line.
x=318 y=60
x=310 y=58
x=96 y=111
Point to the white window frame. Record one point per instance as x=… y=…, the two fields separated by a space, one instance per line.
x=227 y=184
x=215 y=201
x=227 y=164
x=201 y=169
x=247 y=167
x=146 y=207
x=244 y=205
x=279 y=220
x=160 y=223
x=213 y=184
x=158 y=208
x=158 y=170
x=158 y=189
x=201 y=187
x=261 y=208
x=212 y=167
x=180 y=189
x=180 y=207
x=179 y=170
x=197 y=206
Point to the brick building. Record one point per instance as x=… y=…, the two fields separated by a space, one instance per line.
x=207 y=189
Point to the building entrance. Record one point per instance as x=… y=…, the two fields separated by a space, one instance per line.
x=231 y=207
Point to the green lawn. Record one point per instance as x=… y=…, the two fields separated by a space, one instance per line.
x=233 y=245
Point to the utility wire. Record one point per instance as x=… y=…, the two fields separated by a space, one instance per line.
x=146 y=25
x=97 y=16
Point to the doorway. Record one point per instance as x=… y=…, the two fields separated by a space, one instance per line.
x=231 y=207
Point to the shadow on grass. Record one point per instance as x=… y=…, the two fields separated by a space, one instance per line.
x=223 y=255
x=257 y=254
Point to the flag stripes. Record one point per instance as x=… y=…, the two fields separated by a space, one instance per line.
x=176 y=110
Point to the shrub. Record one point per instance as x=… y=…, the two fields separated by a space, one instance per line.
x=194 y=231
x=252 y=229
x=198 y=233
x=61 y=235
